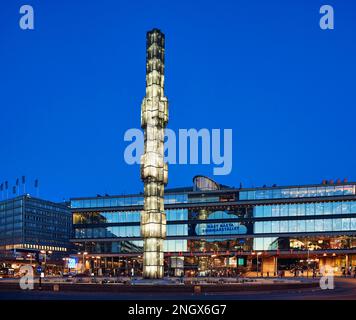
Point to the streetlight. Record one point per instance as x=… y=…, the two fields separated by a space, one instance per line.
x=83 y=263
x=308 y=260
x=45 y=256
x=30 y=256
x=257 y=254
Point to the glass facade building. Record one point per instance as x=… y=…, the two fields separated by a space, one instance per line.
x=215 y=229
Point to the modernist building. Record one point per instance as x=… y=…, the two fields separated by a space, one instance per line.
x=215 y=229
x=33 y=229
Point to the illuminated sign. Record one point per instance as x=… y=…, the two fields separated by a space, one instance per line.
x=220 y=228
x=72 y=263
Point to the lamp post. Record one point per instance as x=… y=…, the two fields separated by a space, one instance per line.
x=30 y=256
x=308 y=260
x=257 y=254
x=66 y=266
x=44 y=252
x=83 y=261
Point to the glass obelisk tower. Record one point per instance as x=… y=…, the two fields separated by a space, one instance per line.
x=154 y=172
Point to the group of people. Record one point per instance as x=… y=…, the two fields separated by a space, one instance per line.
x=348 y=272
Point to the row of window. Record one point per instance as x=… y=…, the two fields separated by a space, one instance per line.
x=315 y=225
x=278 y=193
x=125 y=231
x=305 y=243
x=204 y=199
x=9 y=205
x=305 y=209
x=265 y=244
x=124 y=201
x=135 y=246
x=123 y=216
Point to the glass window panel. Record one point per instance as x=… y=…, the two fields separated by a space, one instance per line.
x=310 y=225
x=243 y=195
x=345 y=207
x=283 y=226
x=275 y=226
x=292 y=210
x=328 y=208
x=276 y=193
x=319 y=225
x=346 y=224
x=268 y=211
x=301 y=209
x=293 y=193
x=312 y=192
x=349 y=190
x=251 y=195
x=107 y=202
x=328 y=225
x=258 y=227
x=275 y=211
x=319 y=208
x=260 y=194
x=310 y=209
x=301 y=226
x=337 y=207
x=321 y=191
x=337 y=224
x=284 y=210
x=285 y=193
x=267 y=227
x=100 y=203
x=258 y=243
x=303 y=192
x=293 y=226
x=329 y=190
x=339 y=190
x=258 y=211
x=353 y=224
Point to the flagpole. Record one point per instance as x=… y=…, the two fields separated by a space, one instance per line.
x=24 y=184
x=17 y=187
x=7 y=189
x=37 y=187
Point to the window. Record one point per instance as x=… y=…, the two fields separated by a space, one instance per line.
x=346 y=224
x=258 y=227
x=337 y=224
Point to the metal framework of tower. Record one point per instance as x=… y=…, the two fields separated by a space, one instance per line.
x=154 y=171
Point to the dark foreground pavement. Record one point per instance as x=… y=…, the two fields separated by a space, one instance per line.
x=345 y=289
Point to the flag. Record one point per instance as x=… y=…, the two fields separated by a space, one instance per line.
x=6 y=185
x=2 y=187
x=14 y=189
x=36 y=183
x=23 y=179
x=17 y=182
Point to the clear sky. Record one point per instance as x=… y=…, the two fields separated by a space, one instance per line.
x=70 y=89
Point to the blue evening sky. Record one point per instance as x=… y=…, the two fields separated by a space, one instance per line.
x=70 y=89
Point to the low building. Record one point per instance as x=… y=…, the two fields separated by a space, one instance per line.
x=33 y=230
x=218 y=230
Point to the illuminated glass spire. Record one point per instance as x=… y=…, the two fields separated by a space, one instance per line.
x=154 y=172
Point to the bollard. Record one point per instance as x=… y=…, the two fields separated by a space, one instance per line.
x=56 y=287
x=197 y=289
